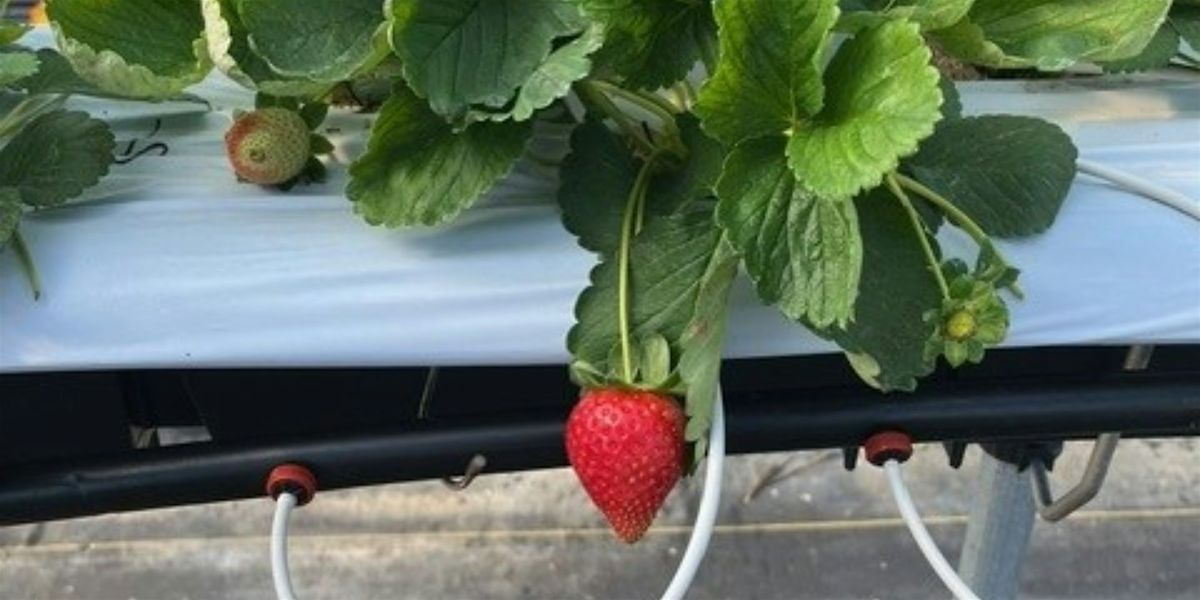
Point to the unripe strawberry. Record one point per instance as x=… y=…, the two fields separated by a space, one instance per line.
x=626 y=446
x=268 y=146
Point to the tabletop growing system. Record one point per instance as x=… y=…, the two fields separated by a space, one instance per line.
x=817 y=148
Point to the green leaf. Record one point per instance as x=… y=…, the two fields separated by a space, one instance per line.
x=667 y=262
x=462 y=53
x=15 y=66
x=882 y=98
x=418 y=171
x=321 y=41
x=1156 y=55
x=19 y=109
x=886 y=340
x=1186 y=21
x=698 y=176
x=1009 y=173
x=551 y=80
x=134 y=48
x=768 y=77
x=55 y=75
x=652 y=43
x=56 y=156
x=595 y=179
x=229 y=48
x=803 y=252
x=701 y=344
x=1053 y=34
x=929 y=14
x=879 y=97
x=10 y=214
x=598 y=172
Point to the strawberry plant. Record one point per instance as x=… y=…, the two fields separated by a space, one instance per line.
x=810 y=144
x=49 y=155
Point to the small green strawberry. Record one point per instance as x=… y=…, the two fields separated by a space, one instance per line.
x=268 y=146
x=973 y=319
x=627 y=448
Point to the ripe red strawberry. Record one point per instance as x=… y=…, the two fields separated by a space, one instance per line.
x=268 y=146
x=626 y=446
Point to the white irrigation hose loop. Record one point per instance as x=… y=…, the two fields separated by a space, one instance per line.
x=909 y=511
x=706 y=517
x=1142 y=187
x=279 y=534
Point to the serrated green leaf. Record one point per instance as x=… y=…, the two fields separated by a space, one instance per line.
x=882 y=98
x=321 y=41
x=229 y=49
x=10 y=214
x=15 y=66
x=701 y=345
x=1186 y=21
x=464 y=53
x=56 y=156
x=598 y=172
x=929 y=14
x=134 y=48
x=55 y=75
x=652 y=43
x=769 y=76
x=879 y=96
x=885 y=342
x=595 y=179
x=698 y=176
x=1009 y=173
x=803 y=252
x=418 y=171
x=551 y=80
x=1156 y=55
x=668 y=259
x=1053 y=34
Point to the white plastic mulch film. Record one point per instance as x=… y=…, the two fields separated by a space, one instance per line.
x=178 y=265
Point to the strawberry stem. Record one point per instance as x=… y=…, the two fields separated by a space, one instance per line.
x=602 y=103
x=922 y=235
x=25 y=259
x=960 y=218
x=629 y=227
x=651 y=103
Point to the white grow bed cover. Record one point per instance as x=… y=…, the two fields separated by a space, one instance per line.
x=183 y=267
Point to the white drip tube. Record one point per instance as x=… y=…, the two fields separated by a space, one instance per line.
x=929 y=548
x=706 y=516
x=279 y=559
x=1141 y=187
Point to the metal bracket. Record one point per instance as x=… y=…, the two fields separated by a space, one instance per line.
x=1136 y=359
x=474 y=468
x=1089 y=485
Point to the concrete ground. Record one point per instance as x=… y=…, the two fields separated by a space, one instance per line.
x=819 y=533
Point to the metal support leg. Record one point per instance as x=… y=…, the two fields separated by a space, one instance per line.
x=1001 y=521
